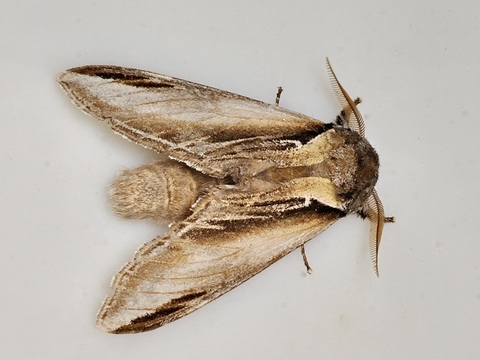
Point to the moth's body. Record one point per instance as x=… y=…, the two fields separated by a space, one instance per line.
x=246 y=183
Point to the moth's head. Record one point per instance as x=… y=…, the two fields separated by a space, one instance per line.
x=364 y=162
x=352 y=166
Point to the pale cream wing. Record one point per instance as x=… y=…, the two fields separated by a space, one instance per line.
x=204 y=127
x=230 y=237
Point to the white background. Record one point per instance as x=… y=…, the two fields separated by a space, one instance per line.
x=416 y=66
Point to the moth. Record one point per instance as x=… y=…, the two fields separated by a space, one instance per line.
x=245 y=183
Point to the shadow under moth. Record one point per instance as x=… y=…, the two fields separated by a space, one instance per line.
x=245 y=183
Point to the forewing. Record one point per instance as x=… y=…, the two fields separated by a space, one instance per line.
x=190 y=122
x=230 y=237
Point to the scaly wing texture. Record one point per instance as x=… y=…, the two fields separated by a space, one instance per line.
x=230 y=237
x=204 y=127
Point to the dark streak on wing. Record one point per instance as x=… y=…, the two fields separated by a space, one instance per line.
x=308 y=135
x=146 y=84
x=148 y=321
x=110 y=72
x=232 y=227
x=129 y=77
x=248 y=136
x=297 y=202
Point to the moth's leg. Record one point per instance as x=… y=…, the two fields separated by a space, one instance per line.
x=279 y=93
x=161 y=191
x=305 y=260
x=364 y=214
x=357 y=101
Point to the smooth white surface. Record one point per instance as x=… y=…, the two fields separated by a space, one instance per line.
x=415 y=64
